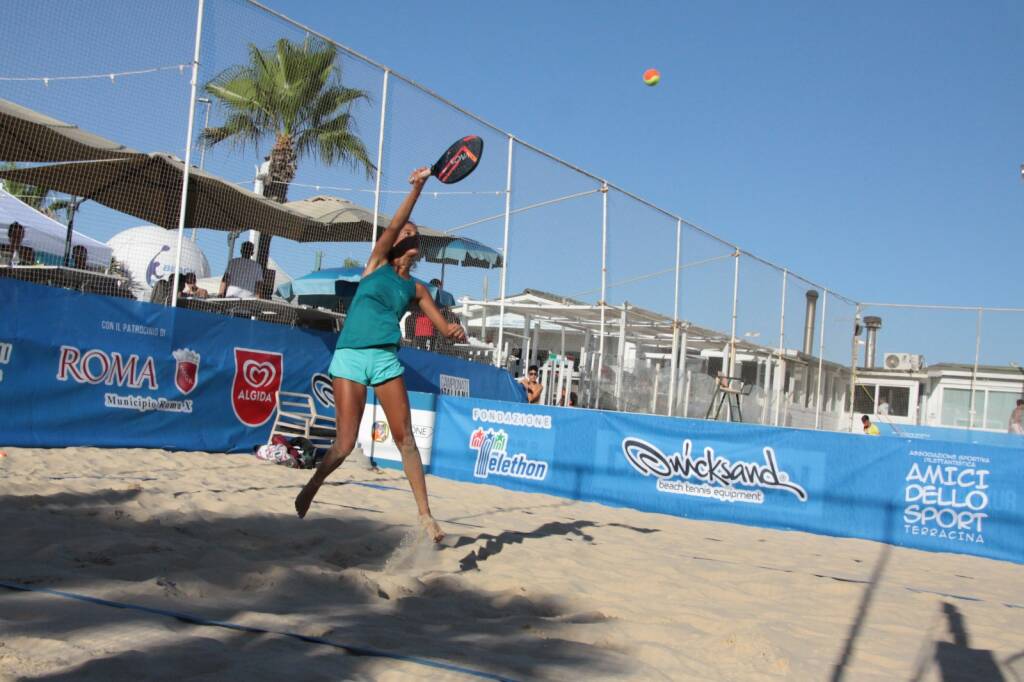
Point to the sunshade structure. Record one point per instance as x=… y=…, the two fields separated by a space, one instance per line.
x=27 y=135
x=45 y=235
x=148 y=186
x=440 y=247
x=324 y=283
x=436 y=246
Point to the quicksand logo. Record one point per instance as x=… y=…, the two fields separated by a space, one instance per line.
x=718 y=474
x=323 y=389
x=492 y=458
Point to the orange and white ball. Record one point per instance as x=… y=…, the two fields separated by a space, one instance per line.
x=652 y=76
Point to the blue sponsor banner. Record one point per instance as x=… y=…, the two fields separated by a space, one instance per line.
x=83 y=369
x=973 y=436
x=939 y=496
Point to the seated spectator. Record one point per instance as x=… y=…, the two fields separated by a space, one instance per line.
x=79 y=257
x=190 y=289
x=161 y=294
x=14 y=253
x=242 y=275
x=438 y=285
x=423 y=330
x=571 y=401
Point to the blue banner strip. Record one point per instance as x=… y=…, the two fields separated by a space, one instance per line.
x=84 y=369
x=933 y=495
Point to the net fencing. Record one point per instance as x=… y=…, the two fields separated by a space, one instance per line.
x=297 y=152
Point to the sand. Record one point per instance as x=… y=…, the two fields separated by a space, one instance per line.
x=526 y=586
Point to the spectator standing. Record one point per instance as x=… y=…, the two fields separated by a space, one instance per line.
x=869 y=428
x=533 y=387
x=242 y=275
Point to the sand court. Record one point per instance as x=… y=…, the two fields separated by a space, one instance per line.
x=526 y=586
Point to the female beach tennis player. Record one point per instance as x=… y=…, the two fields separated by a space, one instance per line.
x=366 y=354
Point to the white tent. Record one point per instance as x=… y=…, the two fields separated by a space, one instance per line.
x=45 y=235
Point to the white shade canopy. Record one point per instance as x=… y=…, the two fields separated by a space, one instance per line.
x=44 y=234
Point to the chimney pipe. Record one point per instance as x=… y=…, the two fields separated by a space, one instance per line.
x=809 y=315
x=872 y=324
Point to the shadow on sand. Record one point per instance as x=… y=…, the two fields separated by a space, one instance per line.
x=322 y=576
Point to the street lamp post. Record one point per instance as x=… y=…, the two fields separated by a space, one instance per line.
x=202 y=148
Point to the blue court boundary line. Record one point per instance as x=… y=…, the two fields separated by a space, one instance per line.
x=198 y=620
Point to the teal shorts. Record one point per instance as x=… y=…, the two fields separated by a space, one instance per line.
x=367 y=366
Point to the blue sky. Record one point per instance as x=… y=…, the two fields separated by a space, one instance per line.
x=872 y=147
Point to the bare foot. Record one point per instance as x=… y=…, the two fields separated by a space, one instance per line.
x=303 y=500
x=431 y=528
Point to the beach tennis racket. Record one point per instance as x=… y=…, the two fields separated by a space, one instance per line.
x=459 y=160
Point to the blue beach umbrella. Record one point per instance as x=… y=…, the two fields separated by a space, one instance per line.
x=439 y=247
x=325 y=287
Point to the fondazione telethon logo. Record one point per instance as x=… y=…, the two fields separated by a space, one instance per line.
x=492 y=458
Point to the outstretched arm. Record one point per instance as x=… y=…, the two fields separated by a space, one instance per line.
x=379 y=256
x=426 y=303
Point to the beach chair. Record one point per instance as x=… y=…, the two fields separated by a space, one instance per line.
x=297 y=416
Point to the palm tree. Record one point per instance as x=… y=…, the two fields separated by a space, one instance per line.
x=294 y=93
x=38 y=198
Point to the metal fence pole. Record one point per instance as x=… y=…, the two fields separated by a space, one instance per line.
x=202 y=147
x=188 y=152
x=674 y=363
x=974 y=370
x=682 y=369
x=735 y=300
x=380 y=158
x=781 y=369
x=821 y=359
x=504 y=255
x=604 y=288
x=621 y=356
x=853 y=362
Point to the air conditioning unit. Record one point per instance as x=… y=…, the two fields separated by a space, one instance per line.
x=904 y=361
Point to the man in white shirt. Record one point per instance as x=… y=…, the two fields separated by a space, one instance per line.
x=242 y=275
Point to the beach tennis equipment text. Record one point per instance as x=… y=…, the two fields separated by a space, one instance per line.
x=717 y=475
x=492 y=458
x=254 y=389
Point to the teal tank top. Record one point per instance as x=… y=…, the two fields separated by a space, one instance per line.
x=380 y=301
